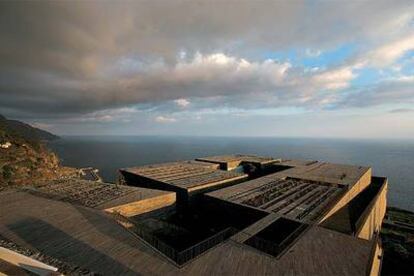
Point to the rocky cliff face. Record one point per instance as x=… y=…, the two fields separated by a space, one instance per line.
x=24 y=158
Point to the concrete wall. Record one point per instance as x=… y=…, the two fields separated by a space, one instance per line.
x=363 y=182
x=144 y=206
x=371 y=220
x=132 y=179
x=375 y=269
x=209 y=187
x=230 y=165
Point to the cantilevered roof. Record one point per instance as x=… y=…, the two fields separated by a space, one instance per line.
x=224 y=159
x=186 y=174
x=296 y=162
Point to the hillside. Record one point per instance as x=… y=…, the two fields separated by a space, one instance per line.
x=24 y=157
x=22 y=130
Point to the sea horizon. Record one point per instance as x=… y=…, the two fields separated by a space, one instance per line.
x=380 y=139
x=393 y=158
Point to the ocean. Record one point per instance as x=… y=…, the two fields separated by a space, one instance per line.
x=391 y=158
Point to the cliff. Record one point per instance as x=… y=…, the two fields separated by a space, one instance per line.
x=24 y=157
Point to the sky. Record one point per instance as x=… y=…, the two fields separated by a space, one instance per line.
x=210 y=68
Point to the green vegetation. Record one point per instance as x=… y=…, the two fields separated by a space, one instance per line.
x=21 y=133
x=27 y=159
x=7 y=172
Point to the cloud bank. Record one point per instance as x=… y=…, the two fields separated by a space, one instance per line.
x=85 y=62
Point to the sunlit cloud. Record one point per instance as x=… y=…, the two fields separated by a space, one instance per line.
x=136 y=63
x=182 y=102
x=165 y=119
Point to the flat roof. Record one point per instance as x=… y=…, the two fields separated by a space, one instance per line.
x=93 y=194
x=90 y=239
x=180 y=163
x=296 y=162
x=301 y=193
x=237 y=157
x=340 y=174
x=289 y=197
x=186 y=174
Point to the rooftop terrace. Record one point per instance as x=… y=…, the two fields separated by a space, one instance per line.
x=287 y=217
x=293 y=198
x=123 y=199
x=338 y=174
x=87 y=238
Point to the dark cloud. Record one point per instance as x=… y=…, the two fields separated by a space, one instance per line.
x=388 y=92
x=62 y=58
x=402 y=110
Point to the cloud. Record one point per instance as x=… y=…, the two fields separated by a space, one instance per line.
x=313 y=53
x=382 y=93
x=402 y=110
x=164 y=119
x=83 y=60
x=403 y=78
x=204 y=76
x=79 y=38
x=182 y=102
x=334 y=79
x=42 y=126
x=104 y=116
x=388 y=53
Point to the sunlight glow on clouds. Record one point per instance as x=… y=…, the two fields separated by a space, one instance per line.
x=100 y=64
x=335 y=79
x=163 y=119
x=182 y=102
x=388 y=53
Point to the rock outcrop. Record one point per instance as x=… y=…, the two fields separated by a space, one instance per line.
x=25 y=159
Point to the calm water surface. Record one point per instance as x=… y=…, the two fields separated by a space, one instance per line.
x=391 y=158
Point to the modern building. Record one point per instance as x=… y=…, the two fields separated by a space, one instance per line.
x=226 y=215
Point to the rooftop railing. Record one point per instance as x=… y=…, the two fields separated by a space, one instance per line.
x=179 y=257
x=274 y=248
